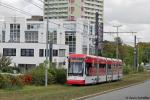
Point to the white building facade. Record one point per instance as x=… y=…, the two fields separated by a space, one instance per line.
x=25 y=41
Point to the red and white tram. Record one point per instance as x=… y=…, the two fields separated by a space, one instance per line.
x=87 y=69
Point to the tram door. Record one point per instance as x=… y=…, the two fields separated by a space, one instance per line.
x=109 y=72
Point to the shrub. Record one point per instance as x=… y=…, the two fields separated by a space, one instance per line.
x=60 y=76
x=5 y=82
x=10 y=82
x=26 y=79
x=53 y=71
x=1 y=81
x=16 y=82
x=126 y=70
x=38 y=76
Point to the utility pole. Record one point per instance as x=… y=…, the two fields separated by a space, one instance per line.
x=47 y=32
x=96 y=33
x=135 y=53
x=50 y=51
x=97 y=43
x=117 y=42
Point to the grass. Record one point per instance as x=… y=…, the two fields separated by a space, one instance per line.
x=64 y=92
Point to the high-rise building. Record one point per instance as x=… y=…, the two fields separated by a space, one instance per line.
x=73 y=9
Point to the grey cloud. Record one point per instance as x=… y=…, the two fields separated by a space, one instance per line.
x=23 y=5
x=134 y=11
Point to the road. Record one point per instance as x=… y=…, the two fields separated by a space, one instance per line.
x=137 y=92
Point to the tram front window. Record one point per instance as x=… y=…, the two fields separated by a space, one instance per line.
x=75 y=68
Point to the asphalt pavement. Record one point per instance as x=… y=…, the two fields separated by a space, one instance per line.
x=137 y=92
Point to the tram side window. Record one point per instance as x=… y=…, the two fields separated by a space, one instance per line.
x=102 y=65
x=102 y=69
x=88 y=69
x=109 y=70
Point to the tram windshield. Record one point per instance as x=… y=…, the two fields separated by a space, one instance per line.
x=76 y=67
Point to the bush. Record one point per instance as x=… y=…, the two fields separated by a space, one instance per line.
x=38 y=76
x=26 y=79
x=140 y=69
x=1 y=81
x=126 y=70
x=10 y=82
x=7 y=70
x=60 y=76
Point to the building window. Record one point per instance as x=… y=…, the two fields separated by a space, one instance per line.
x=70 y=39
x=55 y=53
x=82 y=8
x=28 y=27
x=70 y=26
x=27 y=52
x=61 y=52
x=84 y=49
x=91 y=30
x=3 y=36
x=31 y=36
x=85 y=28
x=72 y=10
x=9 y=51
x=41 y=52
x=72 y=1
x=52 y=37
x=72 y=18
x=14 y=33
x=34 y=27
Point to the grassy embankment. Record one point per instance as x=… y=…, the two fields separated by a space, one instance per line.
x=64 y=92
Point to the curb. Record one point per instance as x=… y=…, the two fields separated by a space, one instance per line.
x=104 y=92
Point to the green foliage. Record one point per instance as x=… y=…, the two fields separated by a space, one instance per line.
x=109 y=49
x=61 y=76
x=4 y=61
x=1 y=81
x=140 y=69
x=38 y=76
x=127 y=70
x=125 y=51
x=10 y=82
x=54 y=75
x=144 y=52
x=7 y=70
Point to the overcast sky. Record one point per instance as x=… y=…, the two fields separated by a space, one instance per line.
x=133 y=15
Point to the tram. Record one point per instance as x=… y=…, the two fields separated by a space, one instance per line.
x=87 y=69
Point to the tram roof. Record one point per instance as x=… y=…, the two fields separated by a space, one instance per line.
x=109 y=60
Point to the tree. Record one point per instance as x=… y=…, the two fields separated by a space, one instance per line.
x=119 y=40
x=125 y=51
x=109 y=49
x=143 y=52
x=4 y=61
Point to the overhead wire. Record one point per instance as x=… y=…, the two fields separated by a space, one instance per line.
x=33 y=4
x=27 y=13
x=14 y=8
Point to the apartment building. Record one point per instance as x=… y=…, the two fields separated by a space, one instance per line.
x=74 y=9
